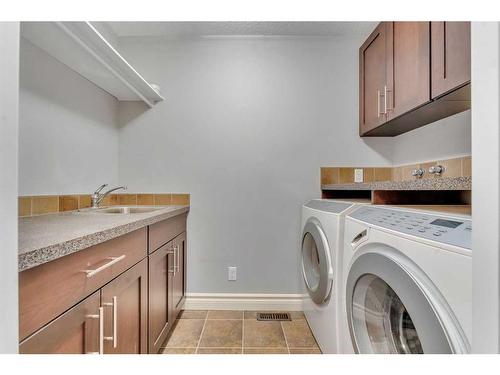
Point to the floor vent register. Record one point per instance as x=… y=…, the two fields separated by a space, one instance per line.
x=280 y=316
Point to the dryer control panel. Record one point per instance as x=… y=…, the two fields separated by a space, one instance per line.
x=449 y=230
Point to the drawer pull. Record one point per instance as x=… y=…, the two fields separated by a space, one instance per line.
x=112 y=261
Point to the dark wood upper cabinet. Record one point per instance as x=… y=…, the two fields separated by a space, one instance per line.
x=372 y=72
x=424 y=75
x=74 y=332
x=408 y=67
x=450 y=61
x=126 y=311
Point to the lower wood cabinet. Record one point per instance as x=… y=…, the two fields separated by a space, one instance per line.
x=113 y=298
x=166 y=289
x=74 y=332
x=112 y=320
x=161 y=286
x=179 y=244
x=125 y=302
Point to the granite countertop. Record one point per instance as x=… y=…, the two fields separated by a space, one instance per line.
x=44 y=238
x=449 y=183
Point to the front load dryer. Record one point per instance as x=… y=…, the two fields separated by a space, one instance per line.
x=407 y=282
x=322 y=229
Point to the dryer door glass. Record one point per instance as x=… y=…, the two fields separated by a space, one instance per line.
x=316 y=262
x=379 y=312
x=310 y=261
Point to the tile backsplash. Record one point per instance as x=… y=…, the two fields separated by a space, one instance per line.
x=45 y=204
x=456 y=167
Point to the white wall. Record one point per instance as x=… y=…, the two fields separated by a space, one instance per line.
x=486 y=181
x=67 y=128
x=9 y=89
x=444 y=139
x=245 y=127
x=246 y=124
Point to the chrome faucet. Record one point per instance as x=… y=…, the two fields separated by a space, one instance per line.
x=97 y=197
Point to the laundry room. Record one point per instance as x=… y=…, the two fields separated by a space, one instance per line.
x=234 y=186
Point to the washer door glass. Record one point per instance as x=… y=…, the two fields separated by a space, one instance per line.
x=316 y=261
x=393 y=307
x=383 y=318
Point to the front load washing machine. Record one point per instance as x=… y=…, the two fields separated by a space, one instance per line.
x=322 y=229
x=407 y=282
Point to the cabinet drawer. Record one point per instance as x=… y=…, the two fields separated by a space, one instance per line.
x=50 y=289
x=164 y=231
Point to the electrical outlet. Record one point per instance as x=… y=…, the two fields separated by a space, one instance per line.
x=231 y=273
x=358 y=175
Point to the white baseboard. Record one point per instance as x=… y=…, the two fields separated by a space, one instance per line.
x=243 y=301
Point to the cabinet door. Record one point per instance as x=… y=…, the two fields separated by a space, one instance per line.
x=74 y=332
x=408 y=67
x=451 y=55
x=372 y=78
x=179 y=275
x=160 y=291
x=125 y=311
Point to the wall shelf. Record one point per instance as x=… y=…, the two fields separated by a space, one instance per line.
x=431 y=191
x=82 y=48
x=441 y=183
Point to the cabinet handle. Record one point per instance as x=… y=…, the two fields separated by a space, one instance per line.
x=113 y=338
x=378 y=104
x=175 y=259
x=178 y=258
x=112 y=261
x=100 y=317
x=385 y=100
x=115 y=321
x=101 y=330
x=171 y=251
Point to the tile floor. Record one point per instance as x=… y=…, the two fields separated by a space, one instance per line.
x=239 y=332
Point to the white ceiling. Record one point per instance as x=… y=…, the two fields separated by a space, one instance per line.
x=199 y=29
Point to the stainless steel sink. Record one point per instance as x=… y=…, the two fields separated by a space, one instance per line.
x=124 y=210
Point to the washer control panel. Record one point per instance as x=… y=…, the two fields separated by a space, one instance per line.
x=452 y=231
